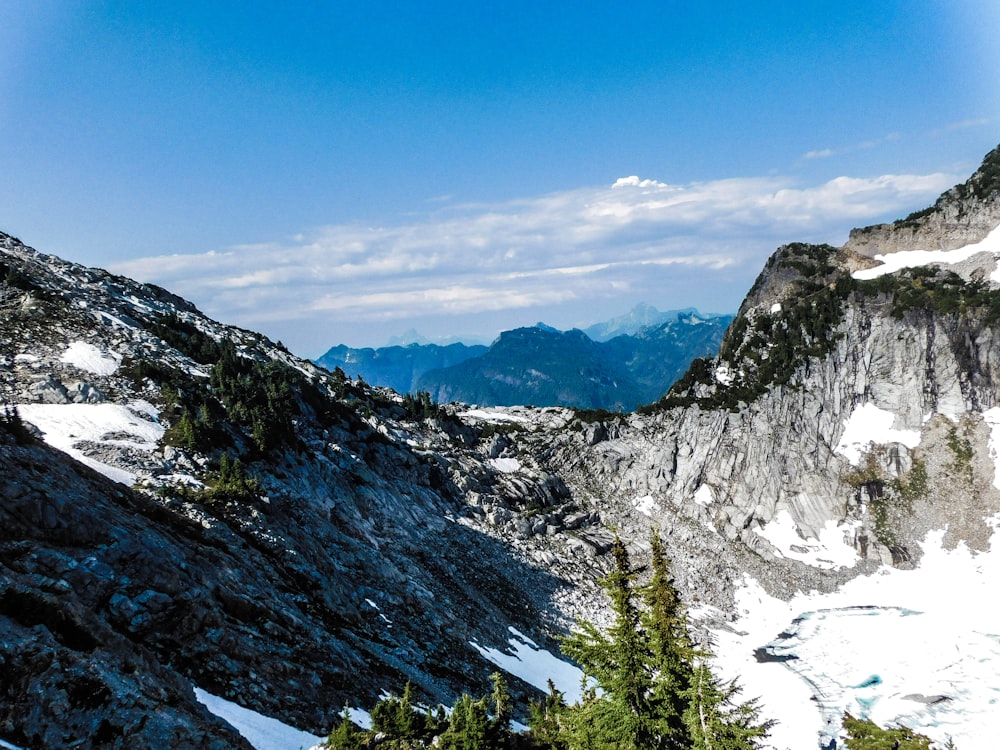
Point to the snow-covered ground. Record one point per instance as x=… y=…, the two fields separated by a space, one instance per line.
x=523 y=658
x=496 y=417
x=919 y=648
x=88 y=357
x=645 y=505
x=892 y=262
x=830 y=550
x=703 y=495
x=869 y=424
x=260 y=731
x=992 y=418
x=65 y=426
x=505 y=465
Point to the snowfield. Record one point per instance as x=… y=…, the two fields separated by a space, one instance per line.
x=66 y=426
x=992 y=418
x=918 y=647
x=831 y=550
x=260 y=731
x=645 y=505
x=505 y=465
x=89 y=358
x=892 y=262
x=523 y=658
x=495 y=417
x=869 y=424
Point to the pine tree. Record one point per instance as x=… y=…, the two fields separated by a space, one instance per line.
x=395 y=717
x=714 y=718
x=621 y=664
x=863 y=734
x=670 y=647
x=546 y=718
x=468 y=726
x=503 y=710
x=345 y=736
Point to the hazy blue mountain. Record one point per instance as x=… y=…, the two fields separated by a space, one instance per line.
x=640 y=317
x=545 y=367
x=537 y=366
x=396 y=367
x=626 y=361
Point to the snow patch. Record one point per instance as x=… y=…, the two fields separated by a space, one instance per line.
x=645 y=505
x=505 y=465
x=927 y=656
x=89 y=358
x=724 y=374
x=992 y=418
x=776 y=308
x=378 y=609
x=830 y=551
x=65 y=426
x=703 y=495
x=892 y=262
x=496 y=417
x=535 y=666
x=869 y=424
x=262 y=732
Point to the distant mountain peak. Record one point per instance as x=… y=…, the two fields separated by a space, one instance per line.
x=408 y=338
x=641 y=316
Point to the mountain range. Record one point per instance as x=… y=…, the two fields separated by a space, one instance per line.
x=616 y=365
x=195 y=521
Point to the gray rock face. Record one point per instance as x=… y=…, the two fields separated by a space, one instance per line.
x=963 y=215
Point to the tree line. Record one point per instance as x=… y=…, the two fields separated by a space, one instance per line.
x=647 y=686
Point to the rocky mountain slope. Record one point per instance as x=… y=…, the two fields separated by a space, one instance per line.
x=367 y=539
x=348 y=562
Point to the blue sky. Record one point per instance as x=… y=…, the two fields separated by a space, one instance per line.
x=341 y=172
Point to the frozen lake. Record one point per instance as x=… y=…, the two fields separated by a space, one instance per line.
x=919 y=648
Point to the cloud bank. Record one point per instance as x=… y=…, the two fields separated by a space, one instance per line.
x=572 y=253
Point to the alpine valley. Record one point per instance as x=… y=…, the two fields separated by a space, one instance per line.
x=195 y=521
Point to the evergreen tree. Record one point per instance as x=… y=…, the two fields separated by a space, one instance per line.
x=715 y=720
x=345 y=736
x=546 y=719
x=863 y=734
x=232 y=484
x=503 y=710
x=621 y=664
x=670 y=647
x=396 y=718
x=468 y=726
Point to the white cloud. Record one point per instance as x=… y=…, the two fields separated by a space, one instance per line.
x=627 y=241
x=826 y=153
x=961 y=125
